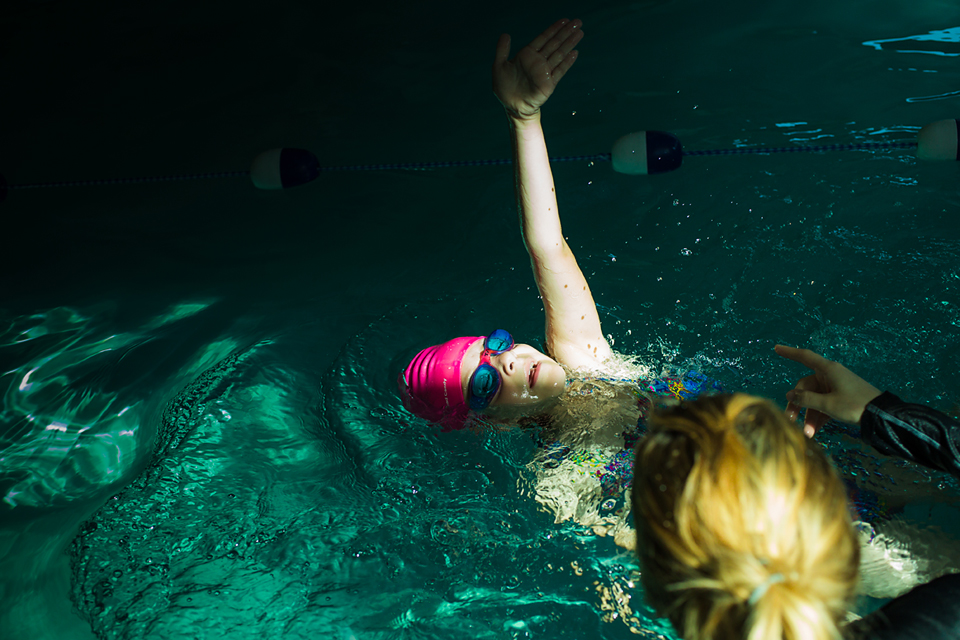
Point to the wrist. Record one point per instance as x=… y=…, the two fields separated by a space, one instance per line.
x=868 y=395
x=519 y=120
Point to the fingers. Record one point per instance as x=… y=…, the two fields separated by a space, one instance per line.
x=503 y=50
x=555 y=45
x=809 y=394
x=813 y=421
x=833 y=389
x=793 y=411
x=562 y=43
x=807 y=358
x=564 y=66
x=809 y=400
x=799 y=398
x=548 y=34
x=812 y=383
x=793 y=407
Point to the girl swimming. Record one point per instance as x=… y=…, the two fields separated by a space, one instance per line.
x=493 y=376
x=585 y=398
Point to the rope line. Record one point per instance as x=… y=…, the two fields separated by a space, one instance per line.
x=600 y=157
x=456 y=163
x=856 y=146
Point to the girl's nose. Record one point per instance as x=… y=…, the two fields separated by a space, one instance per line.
x=508 y=360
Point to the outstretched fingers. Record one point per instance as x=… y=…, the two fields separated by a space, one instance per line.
x=564 y=66
x=560 y=46
x=525 y=83
x=541 y=40
x=807 y=358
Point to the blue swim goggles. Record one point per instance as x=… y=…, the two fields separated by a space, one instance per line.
x=485 y=381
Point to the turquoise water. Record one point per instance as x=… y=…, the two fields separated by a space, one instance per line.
x=200 y=434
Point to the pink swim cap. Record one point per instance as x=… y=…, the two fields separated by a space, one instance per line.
x=430 y=385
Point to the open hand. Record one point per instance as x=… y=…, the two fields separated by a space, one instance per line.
x=523 y=84
x=833 y=391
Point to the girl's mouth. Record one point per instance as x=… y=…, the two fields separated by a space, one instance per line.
x=534 y=372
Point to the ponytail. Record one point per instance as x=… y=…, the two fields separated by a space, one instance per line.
x=742 y=524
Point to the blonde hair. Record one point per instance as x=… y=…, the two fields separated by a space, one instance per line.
x=743 y=529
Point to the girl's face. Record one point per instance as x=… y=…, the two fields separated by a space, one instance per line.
x=528 y=377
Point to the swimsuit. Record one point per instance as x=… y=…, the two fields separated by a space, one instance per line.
x=615 y=472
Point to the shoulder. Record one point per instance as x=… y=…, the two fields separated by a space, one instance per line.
x=588 y=356
x=928 y=612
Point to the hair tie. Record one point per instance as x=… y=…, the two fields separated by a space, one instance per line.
x=763 y=586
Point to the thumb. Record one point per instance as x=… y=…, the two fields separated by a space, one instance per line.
x=503 y=49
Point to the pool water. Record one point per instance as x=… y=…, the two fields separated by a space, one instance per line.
x=200 y=431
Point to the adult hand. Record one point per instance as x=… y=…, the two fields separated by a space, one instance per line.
x=833 y=391
x=523 y=84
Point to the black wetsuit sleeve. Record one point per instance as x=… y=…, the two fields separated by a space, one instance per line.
x=912 y=431
x=928 y=612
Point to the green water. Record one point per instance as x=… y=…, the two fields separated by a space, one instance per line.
x=205 y=374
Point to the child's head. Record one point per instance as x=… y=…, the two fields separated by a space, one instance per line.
x=743 y=529
x=493 y=375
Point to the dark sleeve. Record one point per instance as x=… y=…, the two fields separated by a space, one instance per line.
x=912 y=431
x=928 y=612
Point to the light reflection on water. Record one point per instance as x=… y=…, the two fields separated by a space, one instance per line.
x=950 y=39
x=70 y=427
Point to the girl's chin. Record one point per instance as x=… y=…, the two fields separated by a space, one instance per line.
x=551 y=380
x=529 y=407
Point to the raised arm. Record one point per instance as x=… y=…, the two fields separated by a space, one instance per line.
x=523 y=85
